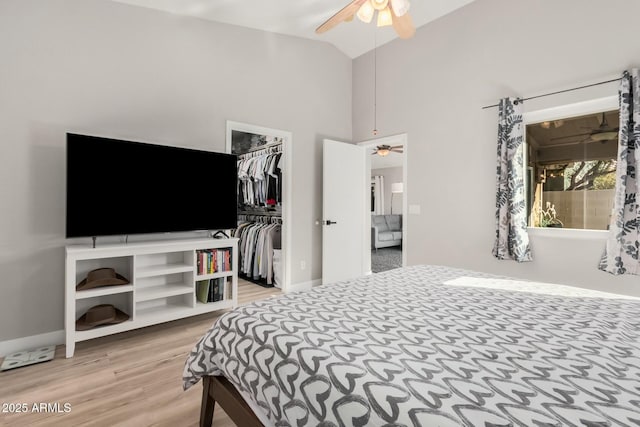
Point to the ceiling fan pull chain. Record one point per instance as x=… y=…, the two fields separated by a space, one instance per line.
x=375 y=83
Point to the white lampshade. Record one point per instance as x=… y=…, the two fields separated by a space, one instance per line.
x=384 y=17
x=400 y=7
x=366 y=11
x=397 y=187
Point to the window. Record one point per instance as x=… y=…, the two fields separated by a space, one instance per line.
x=571 y=165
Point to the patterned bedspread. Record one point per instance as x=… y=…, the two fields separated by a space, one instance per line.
x=431 y=346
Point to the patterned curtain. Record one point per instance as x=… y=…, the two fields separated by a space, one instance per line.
x=512 y=240
x=621 y=253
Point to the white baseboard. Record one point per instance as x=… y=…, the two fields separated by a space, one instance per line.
x=304 y=286
x=31 y=342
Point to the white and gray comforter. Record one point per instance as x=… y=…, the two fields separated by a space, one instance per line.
x=431 y=346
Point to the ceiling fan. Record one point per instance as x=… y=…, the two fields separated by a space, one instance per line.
x=384 y=150
x=602 y=133
x=390 y=12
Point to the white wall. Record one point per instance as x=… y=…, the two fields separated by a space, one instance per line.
x=105 y=68
x=435 y=86
x=391 y=175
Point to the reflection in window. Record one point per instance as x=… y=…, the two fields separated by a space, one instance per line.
x=572 y=171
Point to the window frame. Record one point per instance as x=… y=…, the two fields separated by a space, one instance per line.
x=567 y=111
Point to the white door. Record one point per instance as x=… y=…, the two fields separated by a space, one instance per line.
x=345 y=194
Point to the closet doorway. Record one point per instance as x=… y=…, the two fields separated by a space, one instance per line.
x=386 y=214
x=264 y=202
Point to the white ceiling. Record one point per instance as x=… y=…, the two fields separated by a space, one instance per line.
x=300 y=18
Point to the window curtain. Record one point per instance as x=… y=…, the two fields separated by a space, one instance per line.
x=512 y=240
x=378 y=195
x=621 y=252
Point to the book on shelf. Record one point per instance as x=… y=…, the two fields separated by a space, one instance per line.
x=212 y=286
x=219 y=289
x=211 y=261
x=211 y=290
x=202 y=290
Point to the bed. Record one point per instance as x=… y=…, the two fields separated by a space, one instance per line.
x=425 y=346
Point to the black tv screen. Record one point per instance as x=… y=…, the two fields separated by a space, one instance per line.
x=123 y=187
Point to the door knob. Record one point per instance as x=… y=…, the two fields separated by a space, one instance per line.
x=327 y=222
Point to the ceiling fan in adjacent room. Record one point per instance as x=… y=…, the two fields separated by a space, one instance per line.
x=384 y=150
x=602 y=133
x=389 y=12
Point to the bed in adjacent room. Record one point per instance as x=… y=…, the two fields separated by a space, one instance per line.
x=425 y=346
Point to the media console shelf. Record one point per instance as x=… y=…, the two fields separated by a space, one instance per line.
x=163 y=278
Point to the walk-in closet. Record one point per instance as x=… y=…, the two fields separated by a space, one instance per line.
x=262 y=198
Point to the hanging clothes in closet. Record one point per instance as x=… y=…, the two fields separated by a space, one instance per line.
x=256 y=246
x=260 y=177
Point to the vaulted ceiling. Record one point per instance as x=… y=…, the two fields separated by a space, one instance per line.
x=300 y=18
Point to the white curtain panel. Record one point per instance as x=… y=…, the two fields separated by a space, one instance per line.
x=378 y=185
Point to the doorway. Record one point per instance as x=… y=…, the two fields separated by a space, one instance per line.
x=269 y=209
x=386 y=214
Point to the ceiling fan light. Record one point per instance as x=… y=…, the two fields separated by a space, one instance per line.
x=366 y=11
x=383 y=152
x=384 y=17
x=379 y=4
x=400 y=7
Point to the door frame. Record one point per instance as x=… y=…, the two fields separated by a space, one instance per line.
x=287 y=193
x=399 y=139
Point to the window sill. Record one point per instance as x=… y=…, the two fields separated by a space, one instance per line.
x=568 y=233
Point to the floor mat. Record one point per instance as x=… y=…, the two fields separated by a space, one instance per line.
x=28 y=357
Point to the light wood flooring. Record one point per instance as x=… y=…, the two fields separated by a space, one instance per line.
x=129 y=379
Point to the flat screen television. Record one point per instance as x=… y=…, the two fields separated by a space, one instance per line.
x=117 y=187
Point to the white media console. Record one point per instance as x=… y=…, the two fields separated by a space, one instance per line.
x=162 y=275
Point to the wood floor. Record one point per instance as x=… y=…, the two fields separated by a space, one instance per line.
x=129 y=379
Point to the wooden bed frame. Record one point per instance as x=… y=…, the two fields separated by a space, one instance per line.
x=219 y=389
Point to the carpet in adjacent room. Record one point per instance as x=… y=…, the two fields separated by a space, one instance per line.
x=385 y=259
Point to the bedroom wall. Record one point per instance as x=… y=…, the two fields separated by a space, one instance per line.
x=110 y=69
x=435 y=86
x=391 y=175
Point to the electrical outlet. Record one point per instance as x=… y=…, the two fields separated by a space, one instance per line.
x=303 y=265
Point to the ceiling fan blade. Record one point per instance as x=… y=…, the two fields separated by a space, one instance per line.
x=397 y=146
x=565 y=144
x=342 y=15
x=569 y=136
x=403 y=25
x=398 y=151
